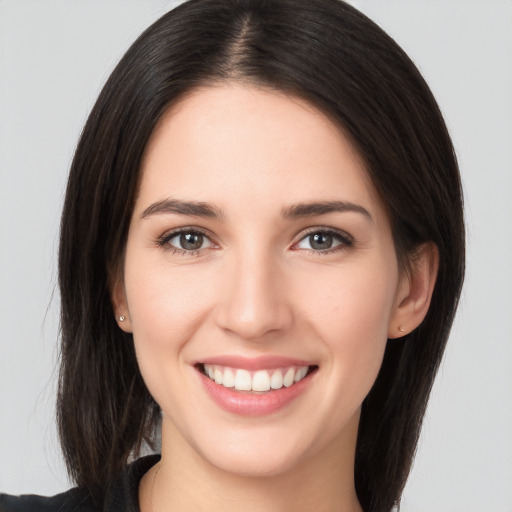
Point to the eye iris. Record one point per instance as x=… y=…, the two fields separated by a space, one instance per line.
x=320 y=241
x=191 y=241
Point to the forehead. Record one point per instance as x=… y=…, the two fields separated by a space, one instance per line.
x=234 y=143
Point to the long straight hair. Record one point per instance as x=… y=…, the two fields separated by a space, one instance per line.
x=331 y=55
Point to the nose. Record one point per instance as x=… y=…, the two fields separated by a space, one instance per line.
x=253 y=302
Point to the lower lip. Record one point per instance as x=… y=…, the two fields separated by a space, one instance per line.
x=251 y=404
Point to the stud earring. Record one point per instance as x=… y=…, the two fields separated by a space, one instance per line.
x=122 y=318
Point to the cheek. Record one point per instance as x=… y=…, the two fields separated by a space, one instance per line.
x=166 y=307
x=358 y=299
x=350 y=314
x=163 y=303
x=166 y=311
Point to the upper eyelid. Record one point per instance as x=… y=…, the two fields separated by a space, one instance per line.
x=163 y=240
x=187 y=229
x=323 y=229
x=300 y=236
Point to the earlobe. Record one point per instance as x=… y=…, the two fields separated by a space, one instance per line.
x=415 y=291
x=124 y=323
x=120 y=304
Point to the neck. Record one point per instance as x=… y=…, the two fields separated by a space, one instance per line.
x=186 y=481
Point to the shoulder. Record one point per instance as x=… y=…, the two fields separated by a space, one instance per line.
x=121 y=495
x=73 y=500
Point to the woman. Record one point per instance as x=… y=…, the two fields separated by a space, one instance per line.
x=264 y=199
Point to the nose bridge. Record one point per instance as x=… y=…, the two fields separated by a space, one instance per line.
x=254 y=301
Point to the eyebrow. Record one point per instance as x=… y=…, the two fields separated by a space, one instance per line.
x=195 y=208
x=296 y=211
x=323 y=208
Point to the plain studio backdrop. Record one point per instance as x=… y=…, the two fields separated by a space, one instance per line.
x=54 y=57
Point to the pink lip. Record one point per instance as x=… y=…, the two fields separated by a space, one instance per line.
x=253 y=404
x=255 y=363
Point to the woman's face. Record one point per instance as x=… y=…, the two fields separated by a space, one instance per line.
x=258 y=251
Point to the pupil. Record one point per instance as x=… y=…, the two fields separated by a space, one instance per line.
x=191 y=241
x=320 y=241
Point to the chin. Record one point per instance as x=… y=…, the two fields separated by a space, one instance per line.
x=264 y=450
x=255 y=462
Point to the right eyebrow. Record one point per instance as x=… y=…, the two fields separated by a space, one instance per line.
x=193 y=208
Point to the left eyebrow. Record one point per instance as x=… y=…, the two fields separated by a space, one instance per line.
x=194 y=208
x=322 y=208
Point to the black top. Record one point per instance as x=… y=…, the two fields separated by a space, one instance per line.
x=121 y=496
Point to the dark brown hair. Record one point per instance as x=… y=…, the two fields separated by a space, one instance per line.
x=337 y=59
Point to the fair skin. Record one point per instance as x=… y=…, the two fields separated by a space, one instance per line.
x=292 y=258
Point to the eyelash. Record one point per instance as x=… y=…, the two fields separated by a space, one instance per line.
x=163 y=241
x=345 y=240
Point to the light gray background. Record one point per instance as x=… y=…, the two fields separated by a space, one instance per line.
x=54 y=57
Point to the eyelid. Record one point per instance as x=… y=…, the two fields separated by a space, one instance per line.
x=162 y=240
x=346 y=239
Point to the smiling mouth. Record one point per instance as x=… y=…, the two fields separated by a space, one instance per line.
x=260 y=381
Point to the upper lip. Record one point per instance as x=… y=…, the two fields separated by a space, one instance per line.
x=267 y=362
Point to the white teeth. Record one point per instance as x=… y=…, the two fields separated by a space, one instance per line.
x=261 y=380
x=289 y=378
x=229 y=378
x=276 y=382
x=218 y=376
x=243 y=380
x=300 y=374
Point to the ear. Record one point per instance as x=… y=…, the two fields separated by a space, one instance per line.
x=120 y=302
x=414 y=291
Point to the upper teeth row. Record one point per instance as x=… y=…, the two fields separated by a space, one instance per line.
x=261 y=380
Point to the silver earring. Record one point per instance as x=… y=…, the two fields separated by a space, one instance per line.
x=122 y=318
